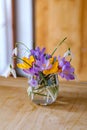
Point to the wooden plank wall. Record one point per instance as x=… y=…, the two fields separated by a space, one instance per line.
x=55 y=19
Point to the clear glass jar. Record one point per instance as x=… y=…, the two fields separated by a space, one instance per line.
x=45 y=95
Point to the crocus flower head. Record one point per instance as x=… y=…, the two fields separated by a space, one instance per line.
x=27 y=62
x=53 y=67
x=65 y=69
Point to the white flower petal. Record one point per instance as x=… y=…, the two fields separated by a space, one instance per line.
x=6 y=73
x=13 y=72
x=29 y=90
x=9 y=71
x=14 y=52
x=68 y=53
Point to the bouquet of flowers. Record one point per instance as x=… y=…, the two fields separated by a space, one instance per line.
x=43 y=70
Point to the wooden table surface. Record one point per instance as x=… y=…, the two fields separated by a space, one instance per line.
x=17 y=112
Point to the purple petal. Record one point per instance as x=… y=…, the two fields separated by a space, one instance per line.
x=32 y=82
x=67 y=69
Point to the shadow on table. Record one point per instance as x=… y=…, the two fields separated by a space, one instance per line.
x=70 y=101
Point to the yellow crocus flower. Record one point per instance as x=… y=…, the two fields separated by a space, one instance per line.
x=27 y=62
x=54 y=67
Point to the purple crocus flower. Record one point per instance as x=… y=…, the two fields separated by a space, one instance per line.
x=41 y=61
x=37 y=53
x=66 y=70
x=32 y=82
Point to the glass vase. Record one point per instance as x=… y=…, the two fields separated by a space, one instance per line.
x=45 y=94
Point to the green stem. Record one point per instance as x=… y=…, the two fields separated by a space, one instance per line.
x=23 y=45
x=58 y=46
x=42 y=77
x=39 y=88
x=39 y=94
x=22 y=60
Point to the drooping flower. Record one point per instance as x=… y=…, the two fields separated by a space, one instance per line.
x=65 y=69
x=15 y=51
x=9 y=71
x=68 y=53
x=12 y=71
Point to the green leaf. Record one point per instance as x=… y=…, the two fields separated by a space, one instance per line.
x=58 y=46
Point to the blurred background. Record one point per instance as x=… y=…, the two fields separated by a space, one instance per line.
x=44 y=23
